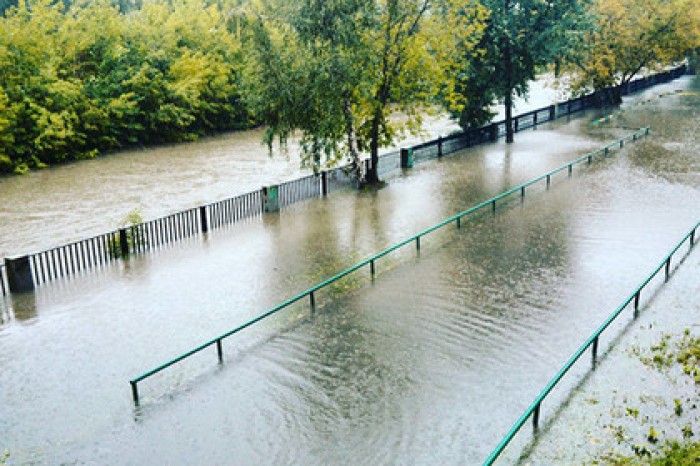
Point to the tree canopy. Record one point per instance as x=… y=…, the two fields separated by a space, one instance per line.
x=521 y=38
x=79 y=81
x=336 y=70
x=632 y=36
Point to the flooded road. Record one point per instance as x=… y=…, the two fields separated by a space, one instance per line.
x=430 y=363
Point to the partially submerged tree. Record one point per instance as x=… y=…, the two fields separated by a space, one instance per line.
x=631 y=37
x=521 y=38
x=335 y=70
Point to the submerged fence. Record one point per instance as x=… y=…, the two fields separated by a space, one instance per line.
x=26 y=272
x=370 y=262
x=592 y=342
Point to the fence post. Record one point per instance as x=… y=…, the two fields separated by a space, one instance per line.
x=19 y=274
x=271 y=202
x=324 y=183
x=134 y=392
x=594 y=352
x=439 y=146
x=494 y=132
x=203 y=218
x=534 y=119
x=123 y=242
x=407 y=158
x=552 y=112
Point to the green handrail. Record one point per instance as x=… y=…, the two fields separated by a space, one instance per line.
x=371 y=260
x=534 y=408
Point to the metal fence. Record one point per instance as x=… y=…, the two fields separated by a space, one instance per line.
x=592 y=342
x=232 y=210
x=309 y=294
x=74 y=257
x=70 y=259
x=299 y=190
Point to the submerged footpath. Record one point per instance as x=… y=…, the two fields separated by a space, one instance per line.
x=644 y=393
x=639 y=398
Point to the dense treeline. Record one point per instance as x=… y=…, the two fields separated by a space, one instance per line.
x=78 y=82
x=81 y=78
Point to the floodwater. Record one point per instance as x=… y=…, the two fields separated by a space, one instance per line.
x=429 y=363
x=58 y=205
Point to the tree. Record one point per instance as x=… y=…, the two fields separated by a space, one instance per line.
x=521 y=38
x=631 y=36
x=335 y=70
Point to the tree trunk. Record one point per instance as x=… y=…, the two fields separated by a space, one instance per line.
x=509 y=116
x=508 y=65
x=357 y=165
x=372 y=175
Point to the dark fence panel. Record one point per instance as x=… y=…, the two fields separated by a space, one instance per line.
x=299 y=190
x=388 y=162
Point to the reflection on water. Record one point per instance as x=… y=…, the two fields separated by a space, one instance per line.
x=430 y=363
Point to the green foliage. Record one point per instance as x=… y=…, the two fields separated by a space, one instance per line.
x=633 y=36
x=78 y=81
x=684 y=352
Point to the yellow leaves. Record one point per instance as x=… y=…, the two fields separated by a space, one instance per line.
x=633 y=36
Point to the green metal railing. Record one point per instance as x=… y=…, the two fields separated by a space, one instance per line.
x=310 y=293
x=591 y=342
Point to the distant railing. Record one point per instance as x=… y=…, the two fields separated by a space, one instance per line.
x=310 y=293
x=592 y=342
x=103 y=249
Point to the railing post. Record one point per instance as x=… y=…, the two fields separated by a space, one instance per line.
x=493 y=207
x=439 y=146
x=549 y=180
x=324 y=183
x=622 y=143
x=668 y=268
x=594 y=352
x=203 y=218
x=571 y=169
x=552 y=112
x=522 y=193
x=418 y=243
x=407 y=158
x=534 y=119
x=371 y=267
x=516 y=125
x=19 y=274
x=636 y=302
x=692 y=238
x=312 y=300
x=536 y=417
x=134 y=392
x=219 y=351
x=123 y=242
x=459 y=222
x=607 y=151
